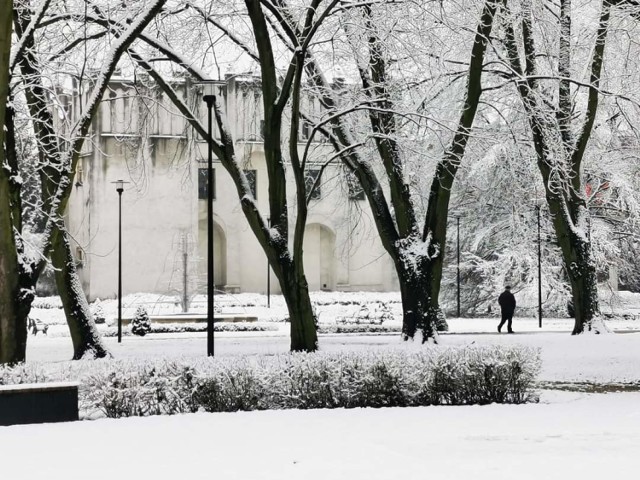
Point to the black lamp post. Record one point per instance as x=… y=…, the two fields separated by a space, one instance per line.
x=209 y=100
x=539 y=270
x=458 y=263
x=268 y=273
x=119 y=189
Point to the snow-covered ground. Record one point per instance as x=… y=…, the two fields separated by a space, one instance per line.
x=568 y=435
x=329 y=305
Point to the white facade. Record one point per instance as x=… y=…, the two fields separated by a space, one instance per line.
x=138 y=137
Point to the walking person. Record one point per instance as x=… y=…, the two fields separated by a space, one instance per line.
x=507 y=306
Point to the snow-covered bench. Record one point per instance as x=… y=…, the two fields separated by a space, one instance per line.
x=38 y=403
x=36 y=326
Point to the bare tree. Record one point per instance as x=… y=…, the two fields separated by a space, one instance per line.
x=84 y=334
x=416 y=248
x=13 y=326
x=560 y=136
x=281 y=93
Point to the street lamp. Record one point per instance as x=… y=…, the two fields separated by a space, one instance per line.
x=119 y=188
x=539 y=271
x=458 y=262
x=209 y=100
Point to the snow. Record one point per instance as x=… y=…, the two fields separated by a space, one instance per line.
x=569 y=434
x=39 y=386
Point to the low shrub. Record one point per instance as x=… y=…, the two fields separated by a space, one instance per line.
x=374 y=313
x=98 y=312
x=141 y=324
x=22 y=373
x=198 y=327
x=434 y=376
x=47 y=303
x=359 y=328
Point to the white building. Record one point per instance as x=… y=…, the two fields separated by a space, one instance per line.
x=137 y=136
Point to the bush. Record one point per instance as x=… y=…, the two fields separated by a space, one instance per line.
x=141 y=324
x=130 y=389
x=98 y=312
x=359 y=328
x=456 y=376
x=199 y=327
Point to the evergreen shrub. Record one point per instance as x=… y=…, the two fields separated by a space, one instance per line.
x=141 y=324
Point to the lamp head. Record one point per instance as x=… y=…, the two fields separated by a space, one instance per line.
x=119 y=186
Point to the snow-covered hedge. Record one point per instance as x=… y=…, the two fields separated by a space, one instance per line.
x=198 y=327
x=359 y=328
x=47 y=302
x=456 y=376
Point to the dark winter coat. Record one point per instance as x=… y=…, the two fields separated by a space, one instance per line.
x=507 y=302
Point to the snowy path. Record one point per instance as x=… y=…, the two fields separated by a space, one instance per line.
x=574 y=436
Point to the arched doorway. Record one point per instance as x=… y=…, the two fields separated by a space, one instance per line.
x=219 y=256
x=319 y=257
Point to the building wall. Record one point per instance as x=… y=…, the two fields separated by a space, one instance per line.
x=164 y=221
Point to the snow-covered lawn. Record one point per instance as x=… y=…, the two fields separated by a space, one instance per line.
x=565 y=358
x=568 y=436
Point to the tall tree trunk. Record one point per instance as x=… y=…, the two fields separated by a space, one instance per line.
x=84 y=334
x=13 y=308
x=581 y=270
x=562 y=173
x=13 y=311
x=435 y=225
x=416 y=308
x=295 y=291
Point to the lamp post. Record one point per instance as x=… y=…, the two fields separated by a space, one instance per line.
x=458 y=263
x=209 y=100
x=268 y=273
x=119 y=188
x=539 y=271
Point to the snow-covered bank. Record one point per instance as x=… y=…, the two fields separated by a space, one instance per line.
x=568 y=435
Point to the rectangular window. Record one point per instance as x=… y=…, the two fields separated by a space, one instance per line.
x=252 y=177
x=306 y=130
x=355 y=190
x=202 y=183
x=262 y=125
x=311 y=176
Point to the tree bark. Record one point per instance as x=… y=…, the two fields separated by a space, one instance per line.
x=84 y=334
x=416 y=314
x=575 y=245
x=295 y=291
x=14 y=307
